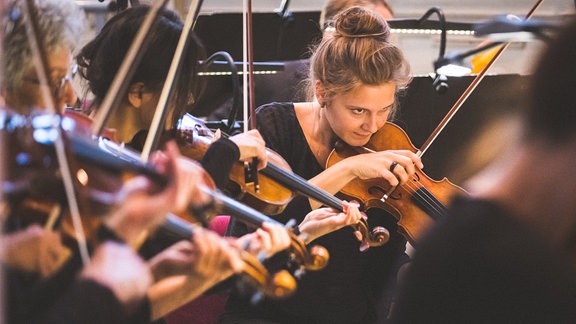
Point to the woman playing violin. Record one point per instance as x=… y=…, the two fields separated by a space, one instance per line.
x=44 y=290
x=355 y=75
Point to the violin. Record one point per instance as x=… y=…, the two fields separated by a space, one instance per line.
x=34 y=185
x=315 y=258
x=263 y=194
x=416 y=204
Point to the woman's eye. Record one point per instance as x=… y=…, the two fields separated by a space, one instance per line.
x=384 y=111
x=357 y=111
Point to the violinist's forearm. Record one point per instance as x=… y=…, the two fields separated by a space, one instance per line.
x=332 y=180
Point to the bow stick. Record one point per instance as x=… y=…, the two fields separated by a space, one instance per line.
x=479 y=77
x=40 y=59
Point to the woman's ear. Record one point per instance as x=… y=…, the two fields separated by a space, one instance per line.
x=320 y=93
x=135 y=92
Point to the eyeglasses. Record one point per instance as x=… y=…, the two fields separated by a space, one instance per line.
x=57 y=85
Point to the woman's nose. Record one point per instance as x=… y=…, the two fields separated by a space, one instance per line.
x=67 y=95
x=371 y=124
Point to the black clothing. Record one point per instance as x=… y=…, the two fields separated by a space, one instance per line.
x=343 y=292
x=62 y=298
x=84 y=303
x=482 y=265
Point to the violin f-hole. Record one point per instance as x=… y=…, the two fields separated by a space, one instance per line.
x=375 y=190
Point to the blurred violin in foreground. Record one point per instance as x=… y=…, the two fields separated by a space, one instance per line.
x=34 y=191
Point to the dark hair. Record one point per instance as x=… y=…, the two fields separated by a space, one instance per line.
x=552 y=109
x=101 y=58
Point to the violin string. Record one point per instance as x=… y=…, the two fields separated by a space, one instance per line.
x=425 y=196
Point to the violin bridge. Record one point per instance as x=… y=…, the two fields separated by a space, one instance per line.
x=384 y=198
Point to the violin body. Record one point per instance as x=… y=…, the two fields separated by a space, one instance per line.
x=33 y=185
x=270 y=197
x=416 y=204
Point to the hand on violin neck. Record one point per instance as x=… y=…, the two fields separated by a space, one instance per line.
x=213 y=258
x=325 y=220
x=190 y=268
x=266 y=241
x=194 y=258
x=142 y=210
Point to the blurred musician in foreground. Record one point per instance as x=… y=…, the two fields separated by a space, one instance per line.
x=507 y=254
x=355 y=75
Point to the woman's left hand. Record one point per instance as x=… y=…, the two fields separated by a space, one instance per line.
x=268 y=240
x=325 y=220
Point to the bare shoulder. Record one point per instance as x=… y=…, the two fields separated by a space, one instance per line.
x=304 y=110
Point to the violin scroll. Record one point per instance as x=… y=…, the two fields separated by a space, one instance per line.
x=378 y=236
x=277 y=286
x=314 y=259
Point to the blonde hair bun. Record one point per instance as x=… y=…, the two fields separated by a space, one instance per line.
x=358 y=22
